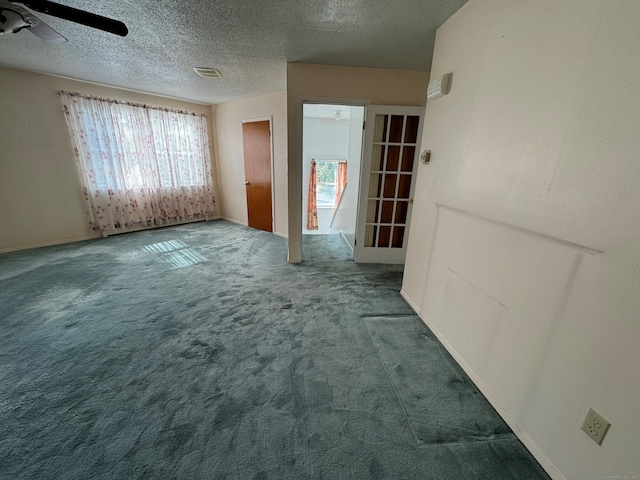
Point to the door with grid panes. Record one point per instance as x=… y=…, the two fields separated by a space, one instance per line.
x=389 y=163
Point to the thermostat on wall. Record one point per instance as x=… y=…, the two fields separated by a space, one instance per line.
x=440 y=87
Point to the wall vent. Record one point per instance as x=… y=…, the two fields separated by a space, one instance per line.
x=440 y=87
x=207 y=72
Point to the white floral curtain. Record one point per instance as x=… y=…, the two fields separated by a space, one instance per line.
x=139 y=165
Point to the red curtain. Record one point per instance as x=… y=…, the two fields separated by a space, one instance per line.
x=341 y=182
x=312 y=206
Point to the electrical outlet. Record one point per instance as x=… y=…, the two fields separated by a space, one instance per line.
x=595 y=426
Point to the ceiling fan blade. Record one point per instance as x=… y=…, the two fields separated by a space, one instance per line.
x=46 y=33
x=14 y=18
x=77 y=16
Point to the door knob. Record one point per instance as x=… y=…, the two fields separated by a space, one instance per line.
x=246 y=182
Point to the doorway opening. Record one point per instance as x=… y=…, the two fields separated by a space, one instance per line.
x=331 y=161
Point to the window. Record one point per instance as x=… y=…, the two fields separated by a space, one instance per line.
x=327 y=181
x=140 y=165
x=172 y=150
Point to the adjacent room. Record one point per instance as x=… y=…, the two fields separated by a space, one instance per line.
x=307 y=239
x=331 y=155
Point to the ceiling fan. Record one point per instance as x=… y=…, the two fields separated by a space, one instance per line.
x=14 y=18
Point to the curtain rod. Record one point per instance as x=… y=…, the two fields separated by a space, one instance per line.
x=131 y=104
x=339 y=160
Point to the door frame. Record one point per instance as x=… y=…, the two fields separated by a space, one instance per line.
x=268 y=118
x=294 y=244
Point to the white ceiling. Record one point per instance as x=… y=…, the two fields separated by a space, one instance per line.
x=313 y=110
x=249 y=41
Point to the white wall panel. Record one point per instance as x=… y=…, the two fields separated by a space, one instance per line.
x=524 y=250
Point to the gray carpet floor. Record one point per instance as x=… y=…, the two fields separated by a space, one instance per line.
x=197 y=352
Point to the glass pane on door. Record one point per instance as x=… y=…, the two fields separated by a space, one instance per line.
x=392 y=160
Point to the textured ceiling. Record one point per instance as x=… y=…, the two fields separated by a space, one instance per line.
x=249 y=41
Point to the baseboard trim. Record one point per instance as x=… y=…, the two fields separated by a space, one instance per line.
x=410 y=302
x=233 y=220
x=245 y=224
x=107 y=233
x=49 y=244
x=346 y=241
x=140 y=228
x=522 y=435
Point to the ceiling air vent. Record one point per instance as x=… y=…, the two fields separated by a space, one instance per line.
x=207 y=72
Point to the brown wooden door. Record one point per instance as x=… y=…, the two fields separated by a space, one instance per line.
x=257 y=167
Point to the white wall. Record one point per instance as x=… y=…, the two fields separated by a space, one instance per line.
x=41 y=202
x=370 y=85
x=323 y=138
x=346 y=216
x=229 y=117
x=524 y=249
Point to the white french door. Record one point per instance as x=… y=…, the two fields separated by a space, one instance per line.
x=387 y=178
